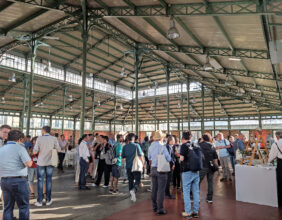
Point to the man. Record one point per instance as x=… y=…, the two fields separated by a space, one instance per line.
x=4 y=131
x=276 y=152
x=64 y=144
x=44 y=146
x=116 y=168
x=13 y=172
x=129 y=152
x=27 y=142
x=222 y=145
x=159 y=180
x=111 y=139
x=190 y=175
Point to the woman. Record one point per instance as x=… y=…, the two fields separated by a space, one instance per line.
x=176 y=172
x=209 y=160
x=232 y=154
x=169 y=147
x=32 y=169
x=83 y=162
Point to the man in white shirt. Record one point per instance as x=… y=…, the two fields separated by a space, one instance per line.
x=83 y=162
x=64 y=144
x=44 y=146
x=276 y=152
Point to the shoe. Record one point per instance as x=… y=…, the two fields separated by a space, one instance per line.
x=161 y=212
x=115 y=192
x=155 y=209
x=133 y=195
x=230 y=180
x=32 y=196
x=94 y=185
x=149 y=190
x=38 y=204
x=186 y=215
x=209 y=201
x=105 y=186
x=84 y=188
x=124 y=182
x=170 y=197
x=49 y=203
x=111 y=190
x=195 y=215
x=223 y=180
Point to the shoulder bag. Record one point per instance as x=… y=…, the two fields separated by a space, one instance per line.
x=163 y=164
x=137 y=165
x=54 y=158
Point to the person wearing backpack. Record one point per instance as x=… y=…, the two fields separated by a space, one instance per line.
x=117 y=162
x=209 y=164
x=222 y=145
x=191 y=164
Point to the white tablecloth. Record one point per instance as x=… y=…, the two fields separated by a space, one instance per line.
x=256 y=184
x=70 y=158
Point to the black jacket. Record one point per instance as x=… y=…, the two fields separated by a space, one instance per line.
x=209 y=153
x=172 y=155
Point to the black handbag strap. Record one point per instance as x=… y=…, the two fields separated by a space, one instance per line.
x=278 y=148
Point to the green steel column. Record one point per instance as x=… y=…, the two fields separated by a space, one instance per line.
x=31 y=77
x=93 y=106
x=260 y=121
x=51 y=120
x=203 y=110
x=229 y=126
x=213 y=112
x=24 y=104
x=188 y=101
x=64 y=108
x=110 y=126
x=155 y=108
x=158 y=125
x=132 y=121
x=167 y=97
x=136 y=65
x=178 y=127
x=115 y=107
x=182 y=121
x=84 y=57
x=74 y=131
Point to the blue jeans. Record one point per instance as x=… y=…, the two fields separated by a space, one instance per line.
x=233 y=162
x=124 y=171
x=83 y=172
x=41 y=170
x=191 y=179
x=15 y=190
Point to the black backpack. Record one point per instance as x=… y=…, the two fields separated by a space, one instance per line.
x=194 y=160
x=230 y=150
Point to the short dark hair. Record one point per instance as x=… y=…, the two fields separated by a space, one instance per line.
x=146 y=139
x=278 y=134
x=15 y=135
x=89 y=135
x=5 y=126
x=62 y=135
x=206 y=138
x=130 y=136
x=97 y=134
x=169 y=138
x=119 y=136
x=46 y=129
x=105 y=138
x=28 y=136
x=186 y=135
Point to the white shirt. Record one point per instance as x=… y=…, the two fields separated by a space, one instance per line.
x=83 y=150
x=274 y=152
x=63 y=145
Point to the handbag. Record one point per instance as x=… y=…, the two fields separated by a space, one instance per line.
x=54 y=158
x=137 y=165
x=163 y=164
x=213 y=167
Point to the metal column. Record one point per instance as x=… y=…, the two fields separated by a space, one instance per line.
x=178 y=127
x=213 y=112
x=260 y=121
x=136 y=65
x=229 y=126
x=51 y=121
x=84 y=56
x=74 y=131
x=93 y=107
x=188 y=101
x=155 y=108
x=64 y=108
x=181 y=105
x=203 y=110
x=24 y=104
x=132 y=106
x=115 y=107
x=110 y=126
x=167 y=71
x=31 y=77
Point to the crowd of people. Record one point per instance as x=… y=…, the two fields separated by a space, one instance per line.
x=164 y=158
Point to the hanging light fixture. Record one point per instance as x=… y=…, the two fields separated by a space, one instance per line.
x=70 y=107
x=48 y=67
x=70 y=98
x=222 y=111
x=13 y=78
x=151 y=108
x=122 y=73
x=139 y=75
x=121 y=106
x=179 y=105
x=156 y=84
x=172 y=31
x=143 y=93
x=194 y=101
x=41 y=104
x=207 y=65
x=247 y=101
x=228 y=81
x=99 y=103
x=3 y=101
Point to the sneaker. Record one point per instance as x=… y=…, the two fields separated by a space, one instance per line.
x=94 y=185
x=115 y=192
x=195 y=215
x=133 y=195
x=209 y=201
x=111 y=190
x=186 y=215
x=38 y=204
x=49 y=203
x=149 y=190
x=124 y=181
x=105 y=186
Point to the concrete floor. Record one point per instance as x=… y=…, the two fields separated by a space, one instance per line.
x=69 y=203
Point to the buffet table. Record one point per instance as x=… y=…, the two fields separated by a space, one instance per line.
x=256 y=184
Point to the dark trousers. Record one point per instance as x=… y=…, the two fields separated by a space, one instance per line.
x=133 y=179
x=100 y=171
x=167 y=187
x=279 y=181
x=107 y=174
x=83 y=172
x=148 y=165
x=207 y=172
x=176 y=175
x=15 y=190
x=233 y=162
x=159 y=181
x=61 y=160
